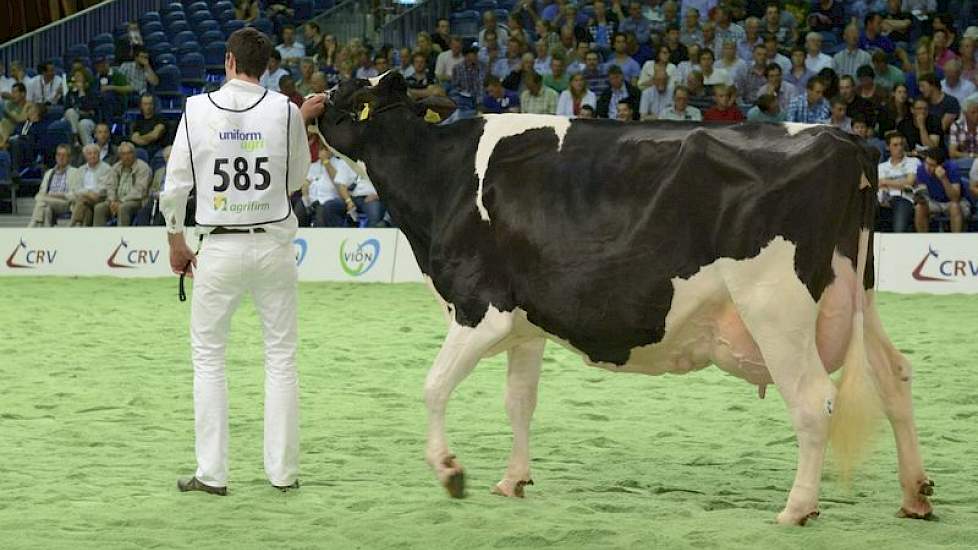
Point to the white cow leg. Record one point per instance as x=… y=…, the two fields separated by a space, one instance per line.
x=460 y=352
x=893 y=376
x=781 y=317
x=522 y=378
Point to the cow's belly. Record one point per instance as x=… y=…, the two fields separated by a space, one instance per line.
x=704 y=328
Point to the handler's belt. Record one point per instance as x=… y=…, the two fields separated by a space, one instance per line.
x=231 y=231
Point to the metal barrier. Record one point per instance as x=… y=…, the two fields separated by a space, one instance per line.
x=402 y=30
x=52 y=40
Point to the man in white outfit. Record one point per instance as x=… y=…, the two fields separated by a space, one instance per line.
x=243 y=148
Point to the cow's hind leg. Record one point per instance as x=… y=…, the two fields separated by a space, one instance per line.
x=460 y=352
x=522 y=377
x=892 y=373
x=781 y=317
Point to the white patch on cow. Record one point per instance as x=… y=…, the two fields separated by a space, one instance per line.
x=795 y=127
x=864 y=183
x=498 y=127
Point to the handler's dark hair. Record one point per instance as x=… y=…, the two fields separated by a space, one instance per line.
x=251 y=49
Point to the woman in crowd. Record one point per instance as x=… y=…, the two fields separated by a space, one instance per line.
x=574 y=97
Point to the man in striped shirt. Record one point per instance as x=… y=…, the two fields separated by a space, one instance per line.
x=56 y=190
x=851 y=58
x=810 y=107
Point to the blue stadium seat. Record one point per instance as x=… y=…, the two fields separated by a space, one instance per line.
x=197 y=18
x=193 y=73
x=142 y=154
x=225 y=16
x=509 y=4
x=210 y=37
x=78 y=50
x=222 y=5
x=483 y=5
x=323 y=5
x=183 y=37
x=465 y=23
x=55 y=134
x=4 y=167
x=264 y=25
x=157 y=161
x=172 y=7
x=232 y=26
x=501 y=14
x=104 y=38
x=151 y=27
x=155 y=38
x=165 y=59
x=149 y=16
x=207 y=26
x=304 y=9
x=171 y=106
x=106 y=50
x=188 y=47
x=161 y=48
x=197 y=6
x=173 y=17
x=169 y=79
x=178 y=26
x=59 y=64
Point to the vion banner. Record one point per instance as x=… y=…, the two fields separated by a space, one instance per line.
x=353 y=255
x=933 y=263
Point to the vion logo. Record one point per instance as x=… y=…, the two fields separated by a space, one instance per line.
x=132 y=258
x=358 y=259
x=301 y=248
x=250 y=141
x=950 y=269
x=31 y=257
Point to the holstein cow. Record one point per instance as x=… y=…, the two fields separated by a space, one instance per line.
x=649 y=247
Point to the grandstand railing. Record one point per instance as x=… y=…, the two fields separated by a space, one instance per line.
x=52 y=40
x=402 y=30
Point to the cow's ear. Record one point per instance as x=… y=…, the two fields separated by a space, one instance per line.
x=435 y=108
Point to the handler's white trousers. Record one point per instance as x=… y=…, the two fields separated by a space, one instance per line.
x=228 y=266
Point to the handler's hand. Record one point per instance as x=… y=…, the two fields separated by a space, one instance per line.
x=180 y=254
x=312 y=107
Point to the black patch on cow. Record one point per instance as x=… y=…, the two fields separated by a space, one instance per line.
x=587 y=240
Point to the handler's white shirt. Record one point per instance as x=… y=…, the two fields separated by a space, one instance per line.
x=235 y=94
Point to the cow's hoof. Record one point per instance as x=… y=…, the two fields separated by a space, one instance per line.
x=510 y=488
x=785 y=518
x=452 y=477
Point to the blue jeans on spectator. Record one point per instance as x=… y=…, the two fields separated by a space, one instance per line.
x=374 y=211
x=964 y=164
x=902 y=210
x=330 y=214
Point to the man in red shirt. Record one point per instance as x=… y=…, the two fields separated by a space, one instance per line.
x=725 y=108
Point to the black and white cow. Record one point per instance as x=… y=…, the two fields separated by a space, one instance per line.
x=648 y=247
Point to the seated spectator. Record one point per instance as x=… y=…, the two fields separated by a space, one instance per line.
x=799 y=75
x=752 y=37
x=865 y=131
x=246 y=10
x=103 y=139
x=538 y=99
x=490 y=23
x=700 y=96
x=941 y=51
x=286 y=86
x=896 y=108
x=443 y=33
x=618 y=89
x=498 y=99
x=897 y=178
x=657 y=97
x=587 y=112
x=139 y=72
x=291 y=51
x=851 y=57
x=730 y=62
x=557 y=78
x=962 y=140
x=815 y=60
x=969 y=63
x=624 y=112
x=541 y=61
x=953 y=85
x=810 y=107
x=506 y=65
x=766 y=110
x=826 y=16
x=690 y=32
x=58 y=187
x=81 y=107
x=449 y=59
x=921 y=129
x=47 y=87
x=516 y=80
x=680 y=109
x=773 y=55
x=490 y=53
x=91 y=190
x=838 y=116
x=923 y=64
x=306 y=69
x=750 y=81
x=361 y=189
x=468 y=78
x=711 y=74
x=14 y=110
x=774 y=24
x=327 y=53
x=575 y=98
x=725 y=107
x=126 y=188
x=274 y=72
x=114 y=87
x=777 y=87
x=726 y=29
x=149 y=130
x=324 y=203
x=6 y=82
x=941 y=105
x=25 y=142
x=887 y=75
x=856 y=106
x=594 y=74
x=312 y=37
x=872 y=36
x=635 y=24
x=421 y=80
x=685 y=68
x=678 y=52
x=365 y=66
x=939 y=191
x=898 y=23
x=629 y=67
x=150 y=213
x=867 y=89
x=602 y=26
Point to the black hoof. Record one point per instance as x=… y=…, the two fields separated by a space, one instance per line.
x=929 y=516
x=455 y=485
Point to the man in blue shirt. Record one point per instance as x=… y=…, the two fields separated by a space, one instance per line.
x=498 y=99
x=636 y=24
x=939 y=190
x=810 y=107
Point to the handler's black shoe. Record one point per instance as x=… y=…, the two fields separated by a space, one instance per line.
x=194 y=484
x=285 y=488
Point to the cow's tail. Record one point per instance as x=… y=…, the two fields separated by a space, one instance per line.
x=857 y=408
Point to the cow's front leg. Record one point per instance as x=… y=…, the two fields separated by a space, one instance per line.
x=460 y=352
x=522 y=378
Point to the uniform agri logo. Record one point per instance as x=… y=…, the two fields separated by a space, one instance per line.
x=125 y=258
x=250 y=141
x=357 y=259
x=950 y=269
x=24 y=257
x=301 y=248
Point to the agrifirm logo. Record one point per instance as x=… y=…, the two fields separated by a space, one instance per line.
x=222 y=204
x=301 y=249
x=357 y=259
x=250 y=141
x=125 y=258
x=25 y=257
x=949 y=269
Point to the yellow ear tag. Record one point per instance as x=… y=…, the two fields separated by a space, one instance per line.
x=431 y=116
x=365 y=112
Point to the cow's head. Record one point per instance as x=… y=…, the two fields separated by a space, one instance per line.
x=356 y=103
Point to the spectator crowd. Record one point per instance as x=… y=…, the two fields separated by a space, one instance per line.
x=901 y=74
